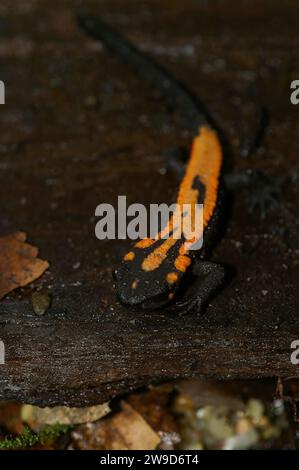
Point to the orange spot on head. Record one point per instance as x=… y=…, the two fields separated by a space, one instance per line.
x=134 y=284
x=171 y=295
x=172 y=278
x=182 y=263
x=129 y=256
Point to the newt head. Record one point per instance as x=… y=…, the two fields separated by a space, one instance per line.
x=149 y=285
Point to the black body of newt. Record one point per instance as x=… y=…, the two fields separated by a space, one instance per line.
x=152 y=273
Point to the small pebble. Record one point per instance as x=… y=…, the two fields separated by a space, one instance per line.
x=40 y=302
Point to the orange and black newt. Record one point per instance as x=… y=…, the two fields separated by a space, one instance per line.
x=153 y=272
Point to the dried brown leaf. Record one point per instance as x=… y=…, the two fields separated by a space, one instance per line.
x=126 y=430
x=154 y=406
x=19 y=263
x=10 y=417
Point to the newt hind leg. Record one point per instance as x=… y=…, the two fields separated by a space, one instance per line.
x=263 y=190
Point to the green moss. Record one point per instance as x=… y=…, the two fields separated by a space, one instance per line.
x=28 y=438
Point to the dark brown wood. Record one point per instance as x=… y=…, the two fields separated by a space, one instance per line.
x=78 y=129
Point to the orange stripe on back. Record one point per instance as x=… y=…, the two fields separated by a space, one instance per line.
x=205 y=162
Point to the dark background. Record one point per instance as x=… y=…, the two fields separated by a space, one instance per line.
x=79 y=128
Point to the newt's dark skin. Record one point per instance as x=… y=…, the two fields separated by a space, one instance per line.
x=152 y=273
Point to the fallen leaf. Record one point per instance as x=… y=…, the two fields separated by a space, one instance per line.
x=154 y=406
x=19 y=263
x=10 y=417
x=126 y=430
x=37 y=417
